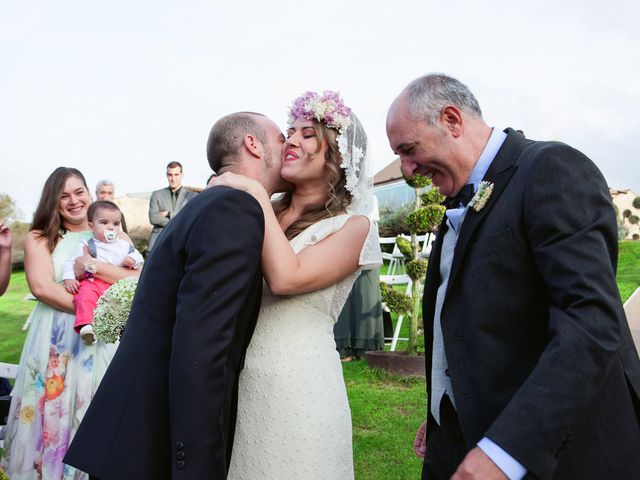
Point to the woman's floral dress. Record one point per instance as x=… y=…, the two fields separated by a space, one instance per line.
x=57 y=377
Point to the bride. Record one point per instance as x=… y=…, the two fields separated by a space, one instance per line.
x=293 y=414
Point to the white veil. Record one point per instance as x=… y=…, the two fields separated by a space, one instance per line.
x=353 y=145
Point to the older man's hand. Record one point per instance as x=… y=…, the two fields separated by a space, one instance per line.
x=478 y=466
x=420 y=443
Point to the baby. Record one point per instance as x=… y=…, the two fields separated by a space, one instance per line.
x=105 y=221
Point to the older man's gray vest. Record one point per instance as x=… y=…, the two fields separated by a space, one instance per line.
x=440 y=381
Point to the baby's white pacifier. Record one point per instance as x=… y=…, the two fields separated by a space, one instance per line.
x=110 y=236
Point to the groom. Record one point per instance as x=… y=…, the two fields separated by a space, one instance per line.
x=167 y=404
x=531 y=367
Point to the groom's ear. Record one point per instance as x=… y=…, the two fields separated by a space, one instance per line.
x=253 y=146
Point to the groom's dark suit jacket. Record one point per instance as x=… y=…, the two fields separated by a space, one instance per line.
x=539 y=351
x=166 y=406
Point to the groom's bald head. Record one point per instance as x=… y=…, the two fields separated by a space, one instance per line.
x=249 y=144
x=227 y=136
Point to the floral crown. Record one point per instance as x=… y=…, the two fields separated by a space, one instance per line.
x=328 y=108
x=352 y=141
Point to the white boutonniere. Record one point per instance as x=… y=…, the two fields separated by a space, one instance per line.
x=481 y=197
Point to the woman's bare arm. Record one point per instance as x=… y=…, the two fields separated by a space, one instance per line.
x=38 y=268
x=315 y=267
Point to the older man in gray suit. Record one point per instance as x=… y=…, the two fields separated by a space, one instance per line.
x=167 y=202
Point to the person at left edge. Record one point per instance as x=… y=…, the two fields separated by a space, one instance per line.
x=167 y=405
x=5 y=256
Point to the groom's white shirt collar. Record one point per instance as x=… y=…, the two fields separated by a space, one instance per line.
x=496 y=139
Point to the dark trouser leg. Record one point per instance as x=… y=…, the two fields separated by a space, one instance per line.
x=446 y=447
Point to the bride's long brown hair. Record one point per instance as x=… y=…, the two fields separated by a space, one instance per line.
x=338 y=197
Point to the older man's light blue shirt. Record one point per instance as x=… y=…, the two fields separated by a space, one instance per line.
x=455 y=215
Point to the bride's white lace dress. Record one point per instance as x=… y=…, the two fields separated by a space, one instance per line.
x=293 y=414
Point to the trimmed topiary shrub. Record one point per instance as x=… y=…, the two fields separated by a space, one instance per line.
x=396 y=301
x=416 y=269
x=417 y=181
x=425 y=216
x=432 y=196
x=423 y=219
x=404 y=245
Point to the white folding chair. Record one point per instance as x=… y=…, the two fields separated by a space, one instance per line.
x=396 y=280
x=8 y=370
x=385 y=255
x=395 y=258
x=426 y=245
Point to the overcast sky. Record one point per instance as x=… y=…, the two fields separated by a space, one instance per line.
x=118 y=89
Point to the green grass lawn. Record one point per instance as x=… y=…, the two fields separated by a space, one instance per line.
x=14 y=310
x=628 y=277
x=386 y=409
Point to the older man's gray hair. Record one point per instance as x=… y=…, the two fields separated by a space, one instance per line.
x=104 y=183
x=426 y=97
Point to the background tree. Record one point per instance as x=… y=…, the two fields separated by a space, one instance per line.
x=19 y=230
x=636 y=203
x=8 y=209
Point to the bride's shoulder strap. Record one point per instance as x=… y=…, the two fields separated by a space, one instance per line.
x=319 y=231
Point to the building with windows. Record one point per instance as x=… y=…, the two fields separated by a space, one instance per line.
x=390 y=188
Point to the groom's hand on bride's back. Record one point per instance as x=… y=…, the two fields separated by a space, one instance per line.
x=420 y=443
